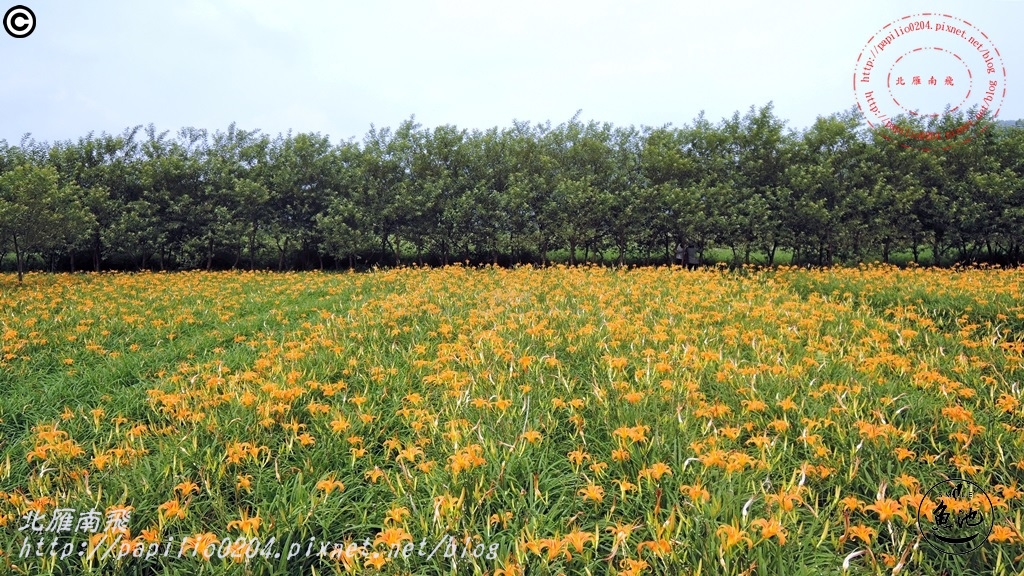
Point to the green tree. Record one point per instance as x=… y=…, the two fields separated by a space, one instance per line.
x=36 y=214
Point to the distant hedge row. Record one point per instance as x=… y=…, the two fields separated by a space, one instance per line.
x=836 y=191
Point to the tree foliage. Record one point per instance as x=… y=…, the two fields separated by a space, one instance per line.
x=579 y=191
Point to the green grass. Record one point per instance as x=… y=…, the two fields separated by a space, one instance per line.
x=835 y=370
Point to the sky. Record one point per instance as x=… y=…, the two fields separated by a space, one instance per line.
x=336 y=67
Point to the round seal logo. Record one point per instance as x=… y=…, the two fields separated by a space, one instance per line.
x=961 y=520
x=922 y=64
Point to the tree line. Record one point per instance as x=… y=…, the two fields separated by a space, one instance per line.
x=837 y=191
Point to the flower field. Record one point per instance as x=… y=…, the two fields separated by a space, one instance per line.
x=526 y=421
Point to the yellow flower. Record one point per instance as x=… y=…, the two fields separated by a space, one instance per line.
x=392 y=537
x=862 y=533
x=329 y=484
x=376 y=559
x=636 y=433
x=786 y=499
x=631 y=567
x=396 y=515
x=695 y=492
x=467 y=458
x=532 y=436
x=201 y=544
x=339 y=424
x=409 y=453
x=171 y=509
x=660 y=547
x=577 y=539
x=374 y=475
x=787 y=404
x=908 y=482
x=1001 y=533
x=187 y=487
x=100 y=461
x=655 y=471
x=1007 y=403
x=886 y=509
x=904 y=454
x=770 y=528
x=244 y=482
x=246 y=524
x=510 y=569
x=851 y=504
x=578 y=456
x=634 y=397
x=1009 y=492
x=730 y=536
x=592 y=492
x=625 y=486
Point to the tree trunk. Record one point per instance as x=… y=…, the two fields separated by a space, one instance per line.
x=252 y=248
x=96 y=253
x=209 y=254
x=282 y=248
x=19 y=259
x=383 y=248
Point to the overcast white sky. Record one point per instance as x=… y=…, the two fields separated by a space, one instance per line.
x=335 y=67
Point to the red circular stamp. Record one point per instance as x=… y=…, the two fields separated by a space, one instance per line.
x=920 y=67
